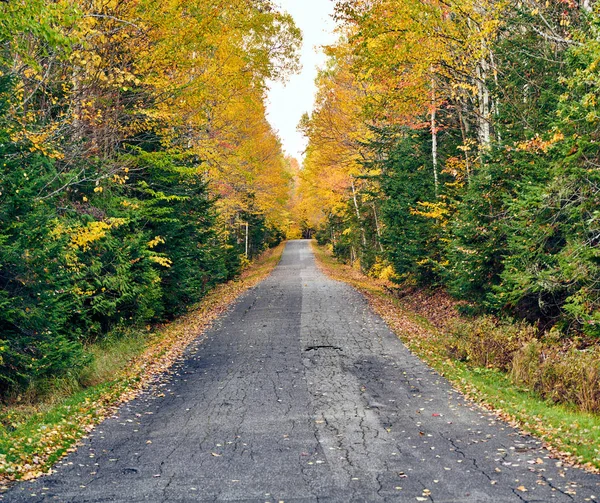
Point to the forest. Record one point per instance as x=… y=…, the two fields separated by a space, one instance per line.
x=138 y=167
x=455 y=145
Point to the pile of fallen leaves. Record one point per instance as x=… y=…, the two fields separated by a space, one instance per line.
x=420 y=319
x=33 y=454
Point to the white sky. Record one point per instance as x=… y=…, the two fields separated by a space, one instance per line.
x=286 y=103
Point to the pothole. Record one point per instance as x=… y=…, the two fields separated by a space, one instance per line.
x=316 y=348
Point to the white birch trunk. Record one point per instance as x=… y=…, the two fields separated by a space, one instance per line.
x=362 y=230
x=434 y=139
x=377 y=228
x=484 y=104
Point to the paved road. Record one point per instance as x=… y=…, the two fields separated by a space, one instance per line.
x=301 y=394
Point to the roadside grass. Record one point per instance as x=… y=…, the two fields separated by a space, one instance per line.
x=40 y=427
x=570 y=434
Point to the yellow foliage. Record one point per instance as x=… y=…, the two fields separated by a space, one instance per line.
x=164 y=261
x=294 y=232
x=86 y=293
x=155 y=242
x=438 y=211
x=121 y=180
x=39 y=140
x=338 y=135
x=203 y=67
x=383 y=270
x=83 y=237
x=537 y=144
x=127 y=204
x=458 y=169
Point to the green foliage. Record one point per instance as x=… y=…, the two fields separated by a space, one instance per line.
x=36 y=286
x=528 y=91
x=410 y=238
x=550 y=266
x=482 y=223
x=126 y=255
x=261 y=235
x=107 y=221
x=179 y=221
x=514 y=223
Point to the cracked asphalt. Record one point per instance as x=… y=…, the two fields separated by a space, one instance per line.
x=300 y=393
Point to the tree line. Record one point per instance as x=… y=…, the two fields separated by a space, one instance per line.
x=455 y=144
x=138 y=168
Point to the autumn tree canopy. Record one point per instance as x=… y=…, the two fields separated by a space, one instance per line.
x=138 y=166
x=453 y=144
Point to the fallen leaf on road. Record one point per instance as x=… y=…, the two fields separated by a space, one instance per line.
x=523 y=489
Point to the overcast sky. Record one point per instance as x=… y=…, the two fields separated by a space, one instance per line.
x=286 y=104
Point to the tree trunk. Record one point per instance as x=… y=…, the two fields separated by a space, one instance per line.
x=484 y=104
x=377 y=228
x=495 y=100
x=362 y=229
x=434 y=139
x=463 y=131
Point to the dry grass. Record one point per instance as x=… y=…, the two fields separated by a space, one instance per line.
x=562 y=373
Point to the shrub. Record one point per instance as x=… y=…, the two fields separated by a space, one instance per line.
x=562 y=373
x=487 y=342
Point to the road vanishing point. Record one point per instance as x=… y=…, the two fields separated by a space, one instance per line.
x=301 y=393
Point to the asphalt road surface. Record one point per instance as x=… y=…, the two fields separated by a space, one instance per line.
x=300 y=393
